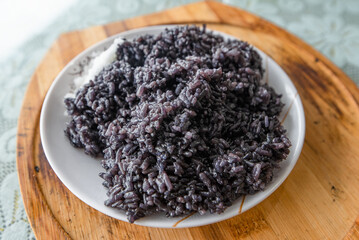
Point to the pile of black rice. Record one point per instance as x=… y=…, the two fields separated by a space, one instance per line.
x=183 y=123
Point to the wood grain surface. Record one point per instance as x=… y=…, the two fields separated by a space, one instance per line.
x=320 y=198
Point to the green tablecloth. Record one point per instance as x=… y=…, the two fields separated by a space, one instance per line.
x=331 y=26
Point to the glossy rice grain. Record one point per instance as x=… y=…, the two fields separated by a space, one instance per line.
x=183 y=123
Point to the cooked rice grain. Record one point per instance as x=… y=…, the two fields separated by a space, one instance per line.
x=183 y=123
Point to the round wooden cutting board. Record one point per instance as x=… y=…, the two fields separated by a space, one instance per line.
x=320 y=198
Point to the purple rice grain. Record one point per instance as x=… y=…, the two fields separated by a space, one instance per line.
x=183 y=123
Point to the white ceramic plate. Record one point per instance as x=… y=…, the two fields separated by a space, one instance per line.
x=79 y=172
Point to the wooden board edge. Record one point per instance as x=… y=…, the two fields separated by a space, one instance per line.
x=215 y=6
x=26 y=170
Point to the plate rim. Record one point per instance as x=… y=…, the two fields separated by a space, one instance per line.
x=90 y=49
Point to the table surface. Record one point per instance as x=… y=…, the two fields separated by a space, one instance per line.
x=331 y=26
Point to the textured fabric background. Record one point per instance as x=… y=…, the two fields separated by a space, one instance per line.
x=331 y=26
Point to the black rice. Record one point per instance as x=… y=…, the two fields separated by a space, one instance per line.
x=183 y=123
